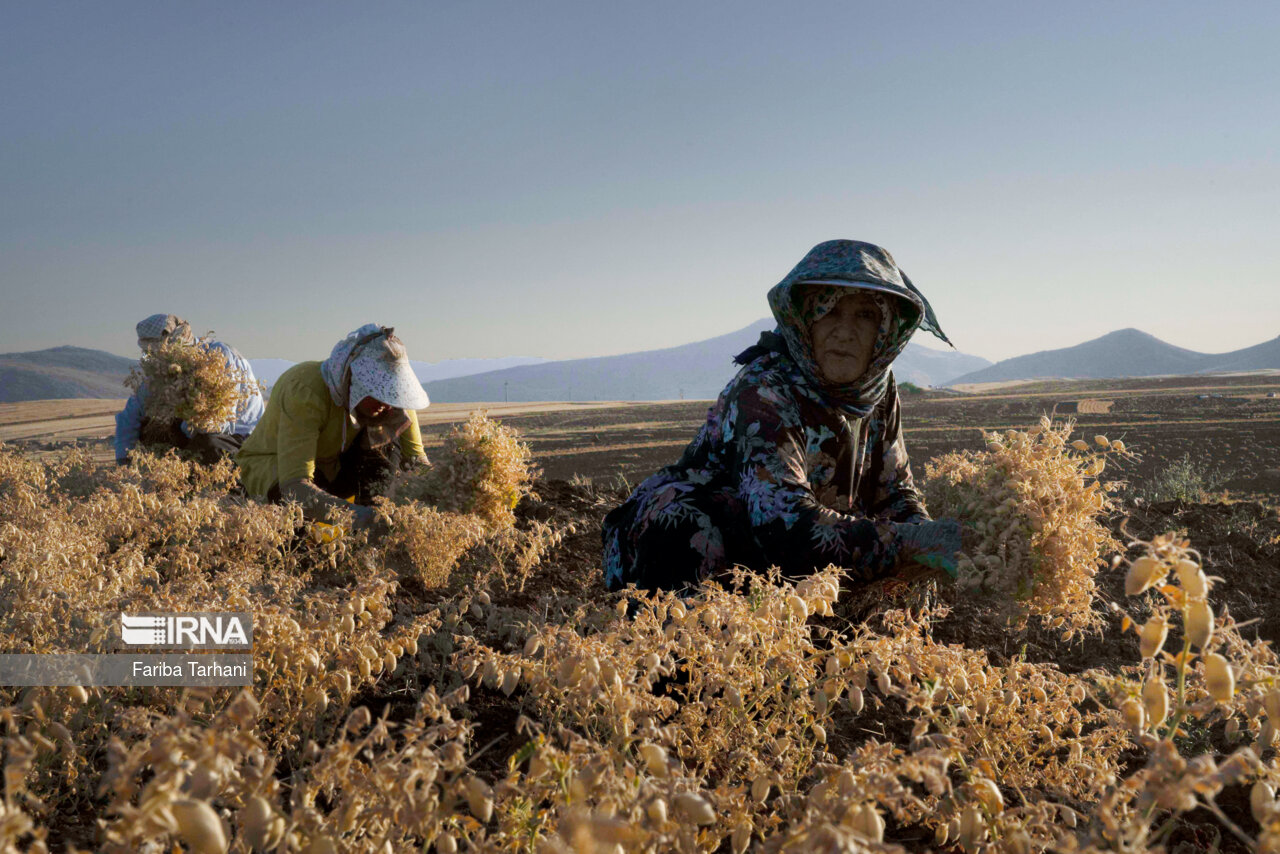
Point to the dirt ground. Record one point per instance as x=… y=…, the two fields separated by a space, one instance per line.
x=1226 y=424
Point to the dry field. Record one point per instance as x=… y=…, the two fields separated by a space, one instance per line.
x=468 y=684
x=1225 y=423
x=1234 y=430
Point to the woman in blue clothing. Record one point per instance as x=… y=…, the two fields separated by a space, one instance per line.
x=801 y=462
x=132 y=423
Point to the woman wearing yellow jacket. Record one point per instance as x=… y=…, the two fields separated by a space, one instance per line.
x=338 y=429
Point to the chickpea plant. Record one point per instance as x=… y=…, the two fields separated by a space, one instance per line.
x=483 y=469
x=189 y=382
x=415 y=694
x=1032 y=506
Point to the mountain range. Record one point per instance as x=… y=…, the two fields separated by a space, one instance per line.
x=269 y=370
x=694 y=371
x=77 y=372
x=1124 y=353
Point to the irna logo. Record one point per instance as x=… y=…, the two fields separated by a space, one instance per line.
x=187 y=631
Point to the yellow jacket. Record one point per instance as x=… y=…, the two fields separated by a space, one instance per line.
x=301 y=431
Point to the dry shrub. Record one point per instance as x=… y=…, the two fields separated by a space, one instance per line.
x=188 y=382
x=717 y=720
x=1032 y=505
x=463 y=500
x=428 y=542
x=711 y=720
x=483 y=469
x=466 y=499
x=166 y=535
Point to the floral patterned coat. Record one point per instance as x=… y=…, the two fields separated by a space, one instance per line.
x=787 y=471
x=774 y=478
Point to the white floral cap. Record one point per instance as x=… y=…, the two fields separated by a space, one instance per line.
x=373 y=362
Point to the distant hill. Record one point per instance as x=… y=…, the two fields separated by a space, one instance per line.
x=1258 y=357
x=62 y=372
x=694 y=371
x=269 y=370
x=1124 y=353
x=448 y=369
x=71 y=372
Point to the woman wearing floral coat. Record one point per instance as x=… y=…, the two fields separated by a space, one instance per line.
x=801 y=462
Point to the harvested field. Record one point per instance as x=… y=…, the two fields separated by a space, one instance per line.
x=1228 y=423
x=557 y=736
x=1235 y=430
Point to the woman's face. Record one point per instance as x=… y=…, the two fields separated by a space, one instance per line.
x=371 y=407
x=843 y=338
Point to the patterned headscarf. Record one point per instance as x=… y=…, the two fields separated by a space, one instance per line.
x=373 y=362
x=161 y=327
x=845 y=266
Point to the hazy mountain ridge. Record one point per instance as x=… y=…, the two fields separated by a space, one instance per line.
x=1124 y=353
x=693 y=371
x=78 y=372
x=269 y=370
x=62 y=372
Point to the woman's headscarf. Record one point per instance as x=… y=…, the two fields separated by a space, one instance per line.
x=373 y=362
x=162 y=327
x=845 y=266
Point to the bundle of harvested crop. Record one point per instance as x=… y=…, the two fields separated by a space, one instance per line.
x=191 y=383
x=483 y=469
x=1032 y=507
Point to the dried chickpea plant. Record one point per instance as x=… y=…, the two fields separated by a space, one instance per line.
x=1032 y=506
x=424 y=693
x=188 y=382
x=483 y=469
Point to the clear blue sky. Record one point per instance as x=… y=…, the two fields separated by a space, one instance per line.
x=576 y=179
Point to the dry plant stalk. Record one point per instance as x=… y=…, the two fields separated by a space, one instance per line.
x=189 y=382
x=1032 y=505
x=466 y=497
x=713 y=720
x=430 y=541
x=483 y=469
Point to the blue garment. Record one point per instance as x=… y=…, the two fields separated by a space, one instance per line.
x=129 y=419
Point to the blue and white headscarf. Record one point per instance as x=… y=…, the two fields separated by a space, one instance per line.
x=840 y=267
x=162 y=327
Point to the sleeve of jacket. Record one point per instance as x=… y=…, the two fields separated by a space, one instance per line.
x=793 y=530
x=411 y=439
x=890 y=489
x=251 y=406
x=129 y=423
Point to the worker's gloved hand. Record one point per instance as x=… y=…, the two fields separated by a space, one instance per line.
x=365 y=518
x=409 y=464
x=932 y=544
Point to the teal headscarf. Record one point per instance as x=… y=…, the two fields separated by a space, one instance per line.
x=852 y=266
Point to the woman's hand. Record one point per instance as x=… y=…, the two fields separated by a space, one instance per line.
x=934 y=544
x=411 y=464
